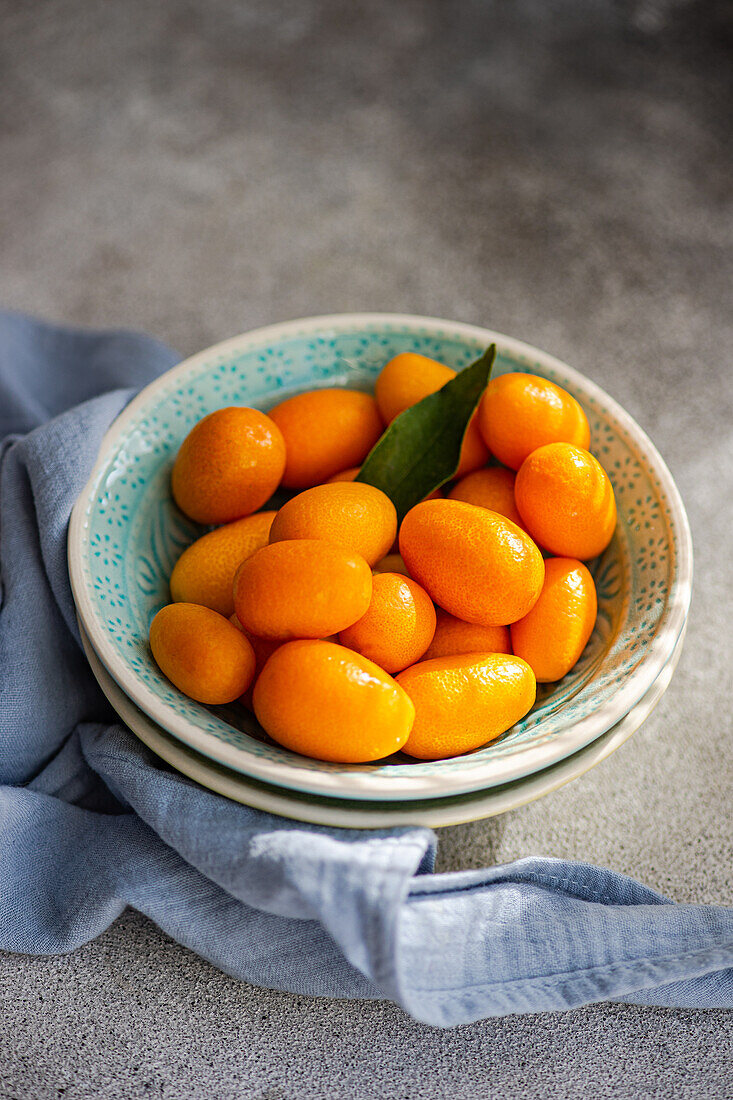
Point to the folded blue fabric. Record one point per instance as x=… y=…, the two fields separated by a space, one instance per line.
x=91 y=822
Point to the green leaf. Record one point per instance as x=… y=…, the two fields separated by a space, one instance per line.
x=421 y=448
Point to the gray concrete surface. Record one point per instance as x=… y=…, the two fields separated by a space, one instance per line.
x=548 y=169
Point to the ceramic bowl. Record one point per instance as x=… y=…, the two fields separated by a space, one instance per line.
x=126 y=533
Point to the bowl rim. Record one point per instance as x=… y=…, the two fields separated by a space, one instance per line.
x=358 y=814
x=362 y=782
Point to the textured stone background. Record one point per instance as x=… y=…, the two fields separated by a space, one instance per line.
x=560 y=171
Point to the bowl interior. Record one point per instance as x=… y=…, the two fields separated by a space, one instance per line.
x=133 y=533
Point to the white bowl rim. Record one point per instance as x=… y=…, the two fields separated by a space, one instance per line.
x=354 y=814
x=366 y=782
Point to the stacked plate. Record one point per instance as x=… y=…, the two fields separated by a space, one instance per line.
x=126 y=534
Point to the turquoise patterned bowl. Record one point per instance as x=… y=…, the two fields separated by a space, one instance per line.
x=126 y=533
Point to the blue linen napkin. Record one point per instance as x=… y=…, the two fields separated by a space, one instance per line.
x=90 y=821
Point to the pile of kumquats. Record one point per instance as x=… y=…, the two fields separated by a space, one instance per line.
x=353 y=635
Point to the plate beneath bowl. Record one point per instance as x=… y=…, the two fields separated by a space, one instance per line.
x=125 y=535
x=348 y=814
